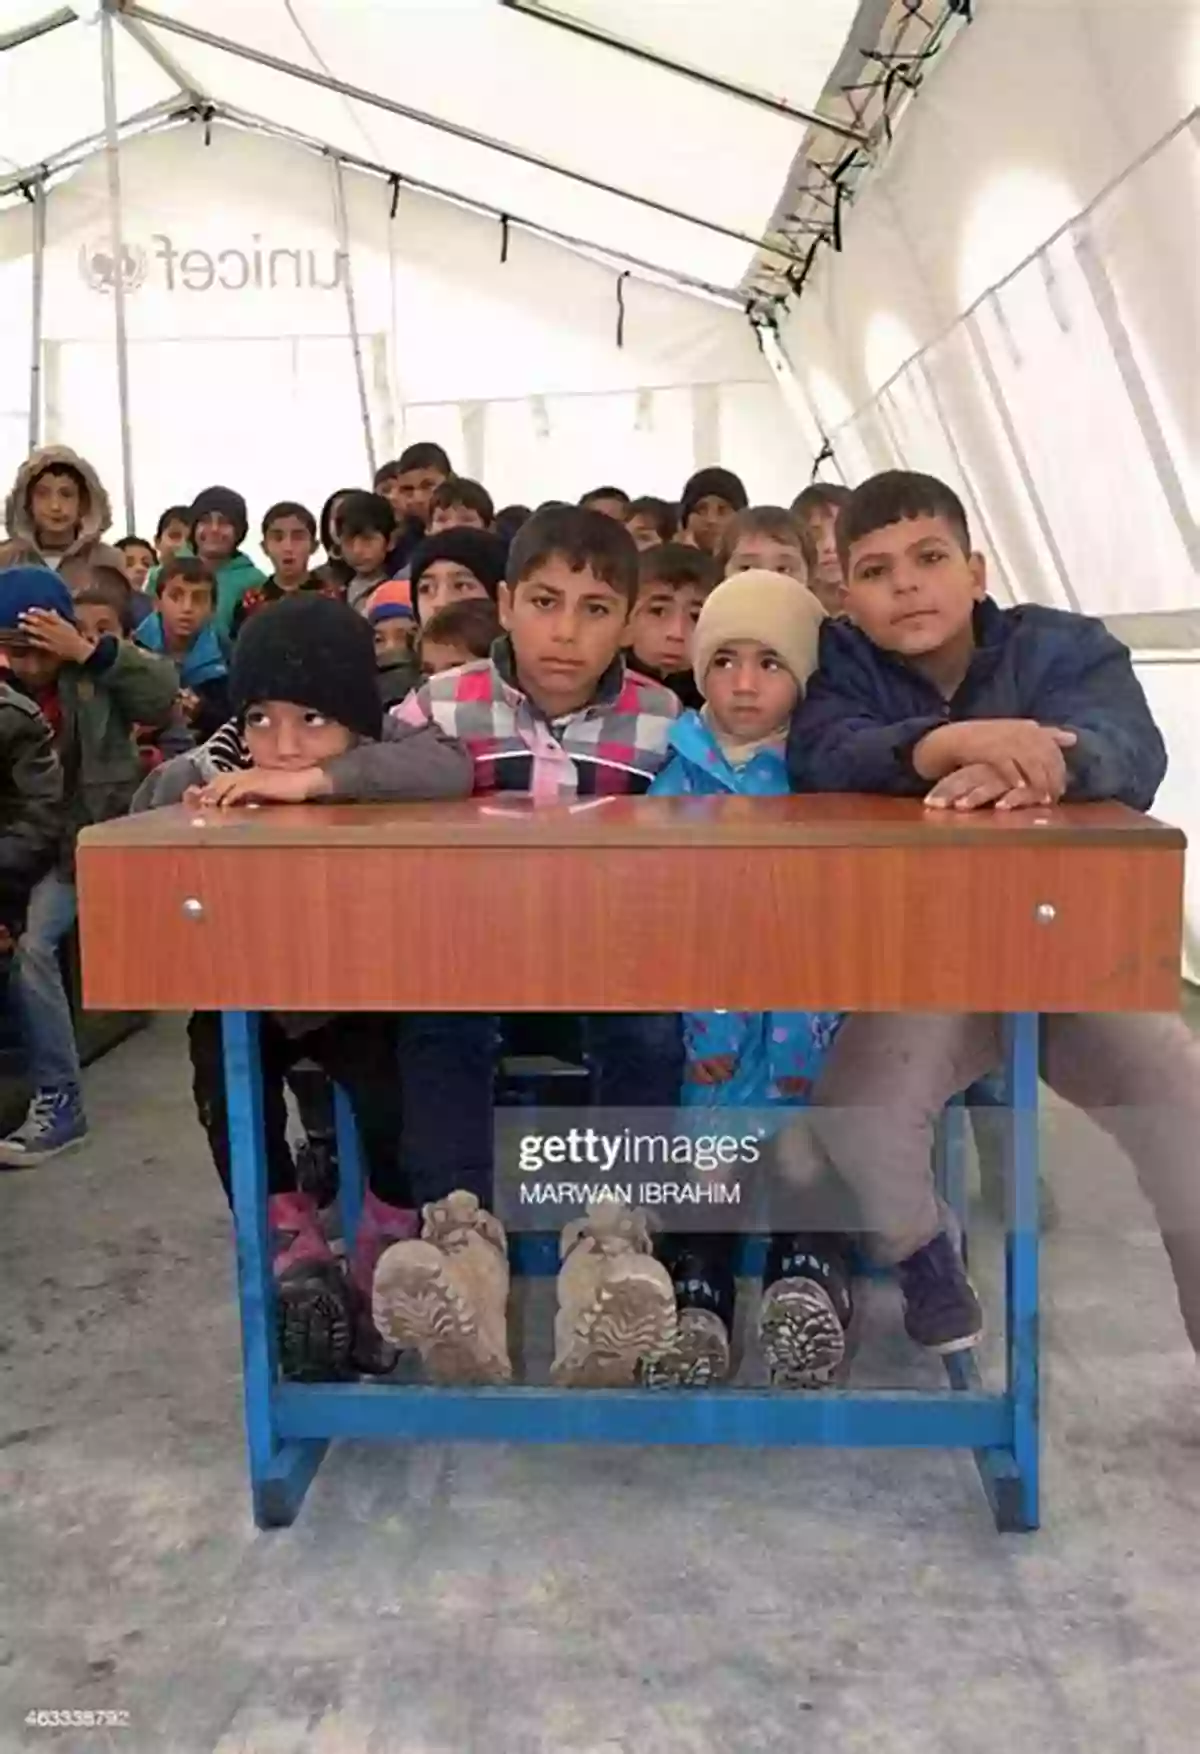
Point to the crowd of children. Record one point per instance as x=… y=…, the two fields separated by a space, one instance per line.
x=437 y=647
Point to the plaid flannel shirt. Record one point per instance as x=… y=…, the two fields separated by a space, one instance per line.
x=614 y=744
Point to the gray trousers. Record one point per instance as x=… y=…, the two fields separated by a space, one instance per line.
x=889 y=1076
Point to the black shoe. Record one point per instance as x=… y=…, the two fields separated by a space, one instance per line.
x=314 y=1324
x=807 y=1306
x=702 y=1276
x=941 y=1310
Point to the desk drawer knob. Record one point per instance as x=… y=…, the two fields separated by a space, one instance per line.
x=193 y=909
x=1045 y=913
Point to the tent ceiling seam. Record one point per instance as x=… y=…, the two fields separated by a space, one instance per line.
x=375 y=100
x=535 y=9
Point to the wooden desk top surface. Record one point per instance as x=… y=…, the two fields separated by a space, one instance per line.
x=650 y=823
x=824 y=903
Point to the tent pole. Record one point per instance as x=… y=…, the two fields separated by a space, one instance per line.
x=112 y=149
x=38 y=197
x=343 y=229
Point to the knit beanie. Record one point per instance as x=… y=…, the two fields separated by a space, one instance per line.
x=393 y=594
x=229 y=504
x=31 y=587
x=482 y=554
x=314 y=652
x=722 y=483
x=766 y=606
x=377 y=612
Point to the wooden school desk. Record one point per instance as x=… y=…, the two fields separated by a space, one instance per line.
x=830 y=903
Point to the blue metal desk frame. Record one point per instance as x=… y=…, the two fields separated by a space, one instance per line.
x=290 y=1425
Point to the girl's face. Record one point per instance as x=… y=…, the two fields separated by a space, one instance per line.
x=280 y=734
x=750 y=690
x=139 y=558
x=442 y=582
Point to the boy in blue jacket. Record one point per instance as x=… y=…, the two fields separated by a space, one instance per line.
x=755 y=646
x=931 y=690
x=183 y=629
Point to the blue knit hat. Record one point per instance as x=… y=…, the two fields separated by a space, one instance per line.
x=31 y=587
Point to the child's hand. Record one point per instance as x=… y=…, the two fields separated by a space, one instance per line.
x=977 y=786
x=49 y=632
x=261 y=785
x=1023 y=752
x=189 y=703
x=718 y=1069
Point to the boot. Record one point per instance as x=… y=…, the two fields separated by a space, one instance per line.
x=446 y=1295
x=807 y=1307
x=616 y=1303
x=379 y=1227
x=312 y=1314
x=701 y=1269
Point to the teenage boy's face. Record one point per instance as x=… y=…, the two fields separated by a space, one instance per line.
x=97 y=619
x=56 y=508
x=365 y=552
x=184 y=607
x=216 y=538
x=644 y=532
x=438 y=655
x=707 y=519
x=566 y=628
x=392 y=636
x=769 y=553
x=912 y=590
x=137 y=563
x=662 y=626
x=280 y=734
x=455 y=517
x=289 y=548
x=445 y=581
x=749 y=690
x=174 y=537
x=821 y=528
x=412 y=491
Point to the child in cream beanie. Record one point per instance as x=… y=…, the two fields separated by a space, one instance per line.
x=755 y=648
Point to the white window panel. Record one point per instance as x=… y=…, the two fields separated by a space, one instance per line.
x=1085 y=452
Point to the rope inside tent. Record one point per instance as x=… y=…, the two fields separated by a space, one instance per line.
x=621 y=279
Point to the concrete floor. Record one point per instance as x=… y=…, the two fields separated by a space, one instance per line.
x=499 y=1601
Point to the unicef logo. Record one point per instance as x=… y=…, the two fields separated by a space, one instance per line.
x=101 y=270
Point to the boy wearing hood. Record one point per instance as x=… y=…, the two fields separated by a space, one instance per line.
x=59 y=507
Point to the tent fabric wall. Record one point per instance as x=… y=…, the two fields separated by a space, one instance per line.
x=1015 y=310
x=505 y=349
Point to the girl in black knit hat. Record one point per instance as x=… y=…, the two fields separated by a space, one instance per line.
x=455 y=565
x=218 y=529
x=304 y=689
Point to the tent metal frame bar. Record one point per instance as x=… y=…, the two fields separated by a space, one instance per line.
x=37 y=196
x=162 y=60
x=70 y=157
x=374 y=100
x=112 y=151
x=37 y=27
x=746 y=94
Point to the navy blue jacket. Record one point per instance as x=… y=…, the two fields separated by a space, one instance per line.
x=865 y=709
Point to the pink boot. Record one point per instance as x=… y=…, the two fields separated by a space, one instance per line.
x=312 y=1317
x=380 y=1226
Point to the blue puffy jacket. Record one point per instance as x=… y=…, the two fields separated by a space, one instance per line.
x=776 y=1054
x=866 y=709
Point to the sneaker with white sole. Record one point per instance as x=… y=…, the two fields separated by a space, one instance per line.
x=55 y=1121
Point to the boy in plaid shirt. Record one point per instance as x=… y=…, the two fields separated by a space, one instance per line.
x=553 y=712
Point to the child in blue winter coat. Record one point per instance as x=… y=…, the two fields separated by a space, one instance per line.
x=755 y=648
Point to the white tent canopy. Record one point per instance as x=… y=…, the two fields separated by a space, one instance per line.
x=599 y=239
